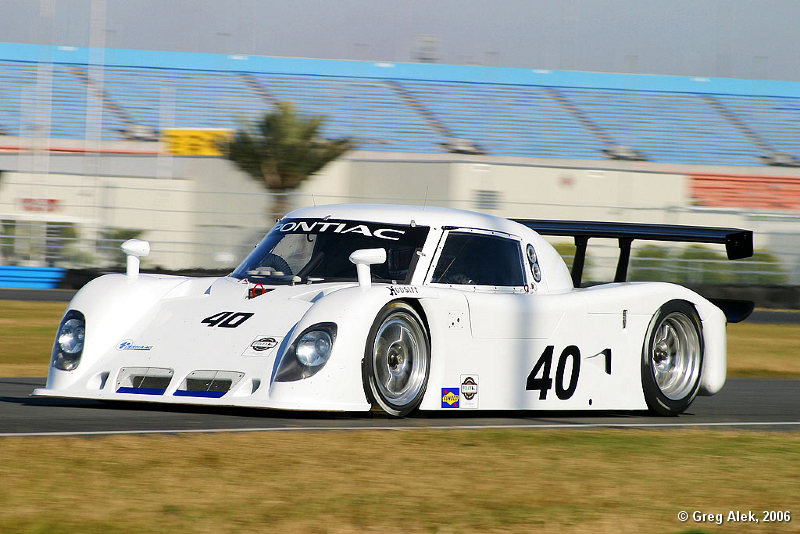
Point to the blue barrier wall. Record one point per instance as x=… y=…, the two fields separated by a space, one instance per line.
x=31 y=277
x=399 y=71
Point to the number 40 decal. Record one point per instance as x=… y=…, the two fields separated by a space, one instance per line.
x=544 y=365
x=227 y=319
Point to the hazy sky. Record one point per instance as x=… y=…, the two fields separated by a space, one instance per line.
x=733 y=38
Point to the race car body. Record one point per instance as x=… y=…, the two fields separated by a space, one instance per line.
x=349 y=306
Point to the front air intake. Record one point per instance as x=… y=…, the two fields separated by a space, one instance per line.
x=209 y=384
x=144 y=380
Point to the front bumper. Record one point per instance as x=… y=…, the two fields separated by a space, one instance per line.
x=233 y=401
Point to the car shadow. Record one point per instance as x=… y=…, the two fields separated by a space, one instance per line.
x=459 y=418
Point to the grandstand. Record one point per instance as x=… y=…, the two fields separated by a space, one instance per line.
x=418 y=108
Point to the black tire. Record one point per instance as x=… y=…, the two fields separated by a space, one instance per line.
x=397 y=360
x=672 y=358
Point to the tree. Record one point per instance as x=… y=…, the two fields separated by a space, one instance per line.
x=283 y=149
x=762 y=268
x=697 y=264
x=701 y=265
x=651 y=262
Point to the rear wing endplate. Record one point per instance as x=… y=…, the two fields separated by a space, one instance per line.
x=738 y=243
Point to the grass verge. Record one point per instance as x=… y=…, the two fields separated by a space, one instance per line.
x=764 y=350
x=27 y=331
x=398 y=481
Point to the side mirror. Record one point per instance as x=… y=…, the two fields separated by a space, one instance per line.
x=362 y=259
x=134 y=249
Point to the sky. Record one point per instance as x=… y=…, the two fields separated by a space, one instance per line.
x=714 y=38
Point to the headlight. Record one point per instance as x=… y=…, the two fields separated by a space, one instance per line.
x=314 y=348
x=308 y=354
x=68 y=347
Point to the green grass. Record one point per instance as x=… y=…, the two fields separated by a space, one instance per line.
x=764 y=350
x=398 y=481
x=27 y=331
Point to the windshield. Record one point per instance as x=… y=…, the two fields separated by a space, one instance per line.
x=315 y=250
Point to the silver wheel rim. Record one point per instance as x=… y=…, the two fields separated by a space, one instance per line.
x=400 y=359
x=675 y=356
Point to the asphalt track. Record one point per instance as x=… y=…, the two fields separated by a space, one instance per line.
x=763 y=404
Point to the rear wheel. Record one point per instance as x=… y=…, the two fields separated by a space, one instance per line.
x=397 y=360
x=672 y=358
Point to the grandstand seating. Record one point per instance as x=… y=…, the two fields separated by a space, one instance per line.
x=366 y=109
x=666 y=127
x=502 y=112
x=774 y=119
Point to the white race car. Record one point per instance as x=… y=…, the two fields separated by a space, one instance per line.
x=348 y=306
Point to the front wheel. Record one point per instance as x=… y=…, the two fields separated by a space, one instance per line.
x=672 y=358
x=397 y=360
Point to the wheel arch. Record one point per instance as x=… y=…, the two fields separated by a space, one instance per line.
x=715 y=343
x=420 y=309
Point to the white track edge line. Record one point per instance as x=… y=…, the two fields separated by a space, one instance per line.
x=553 y=426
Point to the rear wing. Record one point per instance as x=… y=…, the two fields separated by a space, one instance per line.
x=738 y=243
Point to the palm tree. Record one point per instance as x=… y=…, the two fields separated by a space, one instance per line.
x=283 y=149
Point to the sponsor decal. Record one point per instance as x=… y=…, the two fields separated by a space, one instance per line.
x=450 y=397
x=39 y=204
x=392 y=234
x=469 y=391
x=469 y=388
x=130 y=345
x=402 y=290
x=263 y=343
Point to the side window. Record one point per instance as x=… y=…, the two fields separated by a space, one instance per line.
x=479 y=259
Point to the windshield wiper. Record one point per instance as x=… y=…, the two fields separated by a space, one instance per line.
x=272 y=277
